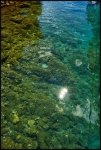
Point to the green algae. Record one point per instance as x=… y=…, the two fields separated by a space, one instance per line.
x=14 y=30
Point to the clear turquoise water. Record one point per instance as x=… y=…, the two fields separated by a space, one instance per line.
x=67 y=56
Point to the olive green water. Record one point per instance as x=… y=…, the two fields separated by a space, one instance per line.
x=46 y=48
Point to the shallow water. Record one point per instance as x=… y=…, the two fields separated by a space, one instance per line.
x=50 y=96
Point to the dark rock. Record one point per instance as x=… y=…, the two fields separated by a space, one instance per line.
x=4 y=59
x=16 y=19
x=25 y=5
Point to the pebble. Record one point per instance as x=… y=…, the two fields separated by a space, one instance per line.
x=8 y=65
x=15 y=118
x=78 y=62
x=31 y=122
x=44 y=66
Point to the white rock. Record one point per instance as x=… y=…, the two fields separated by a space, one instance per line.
x=60 y=109
x=78 y=62
x=39 y=52
x=46 y=54
x=78 y=112
x=44 y=66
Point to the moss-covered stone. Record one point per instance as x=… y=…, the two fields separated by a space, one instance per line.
x=15 y=29
x=16 y=19
x=15 y=117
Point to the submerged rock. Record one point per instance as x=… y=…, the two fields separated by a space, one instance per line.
x=15 y=117
x=78 y=62
x=45 y=54
x=87 y=112
x=8 y=65
x=25 y=5
x=60 y=109
x=44 y=66
x=78 y=112
x=16 y=19
x=14 y=27
x=31 y=122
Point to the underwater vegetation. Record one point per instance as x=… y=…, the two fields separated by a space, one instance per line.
x=19 y=25
x=94 y=46
x=50 y=76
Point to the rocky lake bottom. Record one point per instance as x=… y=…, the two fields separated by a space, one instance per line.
x=50 y=78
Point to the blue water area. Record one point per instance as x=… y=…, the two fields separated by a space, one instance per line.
x=53 y=89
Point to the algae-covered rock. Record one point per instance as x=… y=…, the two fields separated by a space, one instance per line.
x=16 y=19
x=14 y=29
x=24 y=5
x=27 y=23
x=41 y=140
x=31 y=130
x=27 y=142
x=34 y=145
x=15 y=117
x=45 y=66
x=8 y=143
x=31 y=122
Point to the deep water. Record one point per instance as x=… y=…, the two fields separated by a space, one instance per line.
x=50 y=75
